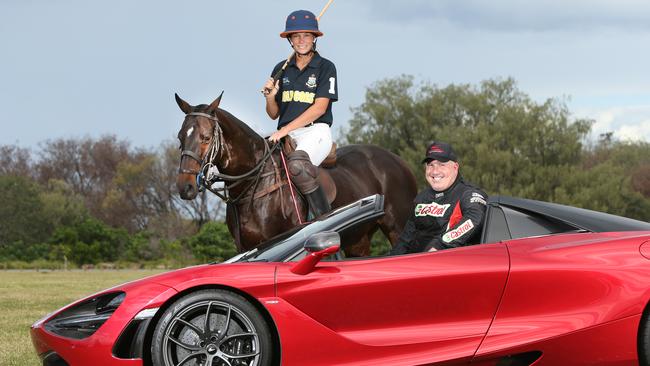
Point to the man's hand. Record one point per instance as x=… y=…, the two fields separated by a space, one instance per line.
x=270 y=90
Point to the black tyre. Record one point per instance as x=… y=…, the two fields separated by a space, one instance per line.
x=644 y=339
x=211 y=328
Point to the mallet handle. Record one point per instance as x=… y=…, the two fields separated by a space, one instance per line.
x=324 y=9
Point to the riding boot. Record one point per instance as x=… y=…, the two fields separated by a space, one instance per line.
x=305 y=176
x=318 y=203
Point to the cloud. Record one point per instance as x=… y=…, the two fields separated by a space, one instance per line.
x=636 y=132
x=627 y=123
x=516 y=15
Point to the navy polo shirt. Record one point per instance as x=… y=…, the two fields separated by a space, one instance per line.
x=300 y=88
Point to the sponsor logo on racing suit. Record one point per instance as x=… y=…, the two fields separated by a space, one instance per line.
x=463 y=229
x=430 y=209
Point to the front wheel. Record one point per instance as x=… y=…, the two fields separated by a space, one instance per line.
x=211 y=328
x=644 y=339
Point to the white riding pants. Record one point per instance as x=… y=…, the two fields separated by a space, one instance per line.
x=315 y=140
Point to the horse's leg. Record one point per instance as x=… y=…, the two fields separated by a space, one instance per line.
x=234 y=226
x=390 y=231
x=360 y=249
x=357 y=242
x=391 y=225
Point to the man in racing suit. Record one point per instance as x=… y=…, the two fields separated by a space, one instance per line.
x=448 y=213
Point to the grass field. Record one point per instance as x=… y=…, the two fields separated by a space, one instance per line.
x=26 y=296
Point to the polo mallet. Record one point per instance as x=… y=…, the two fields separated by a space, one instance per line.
x=277 y=74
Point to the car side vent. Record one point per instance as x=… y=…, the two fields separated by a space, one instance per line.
x=521 y=359
x=645 y=249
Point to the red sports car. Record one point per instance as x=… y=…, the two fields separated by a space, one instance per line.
x=545 y=285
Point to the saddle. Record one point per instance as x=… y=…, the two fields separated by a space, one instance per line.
x=324 y=177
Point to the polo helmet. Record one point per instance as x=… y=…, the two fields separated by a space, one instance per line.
x=301 y=21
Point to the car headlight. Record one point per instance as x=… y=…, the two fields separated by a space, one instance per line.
x=83 y=319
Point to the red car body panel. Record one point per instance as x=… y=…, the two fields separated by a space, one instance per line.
x=559 y=285
x=412 y=305
x=576 y=299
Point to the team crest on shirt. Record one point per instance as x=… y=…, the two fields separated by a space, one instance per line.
x=430 y=209
x=285 y=81
x=311 y=82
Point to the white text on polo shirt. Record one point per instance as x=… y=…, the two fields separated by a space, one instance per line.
x=430 y=209
x=298 y=96
x=463 y=229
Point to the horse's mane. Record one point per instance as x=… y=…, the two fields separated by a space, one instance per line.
x=227 y=115
x=243 y=125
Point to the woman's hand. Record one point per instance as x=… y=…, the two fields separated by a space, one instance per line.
x=277 y=135
x=270 y=90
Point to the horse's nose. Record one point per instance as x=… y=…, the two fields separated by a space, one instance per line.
x=188 y=192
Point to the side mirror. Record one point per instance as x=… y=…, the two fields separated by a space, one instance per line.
x=319 y=246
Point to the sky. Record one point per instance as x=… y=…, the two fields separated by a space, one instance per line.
x=71 y=68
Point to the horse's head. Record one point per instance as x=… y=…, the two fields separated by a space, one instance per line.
x=199 y=138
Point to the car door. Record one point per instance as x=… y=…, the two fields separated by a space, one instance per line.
x=437 y=305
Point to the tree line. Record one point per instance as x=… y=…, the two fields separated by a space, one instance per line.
x=508 y=143
x=88 y=201
x=95 y=200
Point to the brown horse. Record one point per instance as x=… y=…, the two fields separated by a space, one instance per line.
x=259 y=200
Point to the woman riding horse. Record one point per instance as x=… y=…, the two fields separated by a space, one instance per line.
x=303 y=103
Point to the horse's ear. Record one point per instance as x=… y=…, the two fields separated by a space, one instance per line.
x=214 y=105
x=185 y=106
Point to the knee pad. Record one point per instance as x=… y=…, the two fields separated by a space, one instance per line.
x=303 y=172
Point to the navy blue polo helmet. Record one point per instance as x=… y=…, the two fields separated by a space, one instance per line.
x=301 y=21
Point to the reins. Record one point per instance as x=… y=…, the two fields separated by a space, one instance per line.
x=206 y=177
x=252 y=175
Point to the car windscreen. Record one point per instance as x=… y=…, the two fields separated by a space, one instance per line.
x=285 y=244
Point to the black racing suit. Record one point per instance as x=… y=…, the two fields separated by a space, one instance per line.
x=443 y=220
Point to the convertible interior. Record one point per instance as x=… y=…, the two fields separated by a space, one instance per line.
x=514 y=218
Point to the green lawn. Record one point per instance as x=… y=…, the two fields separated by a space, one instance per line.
x=26 y=296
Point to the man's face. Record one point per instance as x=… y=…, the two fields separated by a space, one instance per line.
x=302 y=42
x=441 y=175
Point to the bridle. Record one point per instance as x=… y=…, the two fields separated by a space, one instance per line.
x=206 y=176
x=215 y=146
